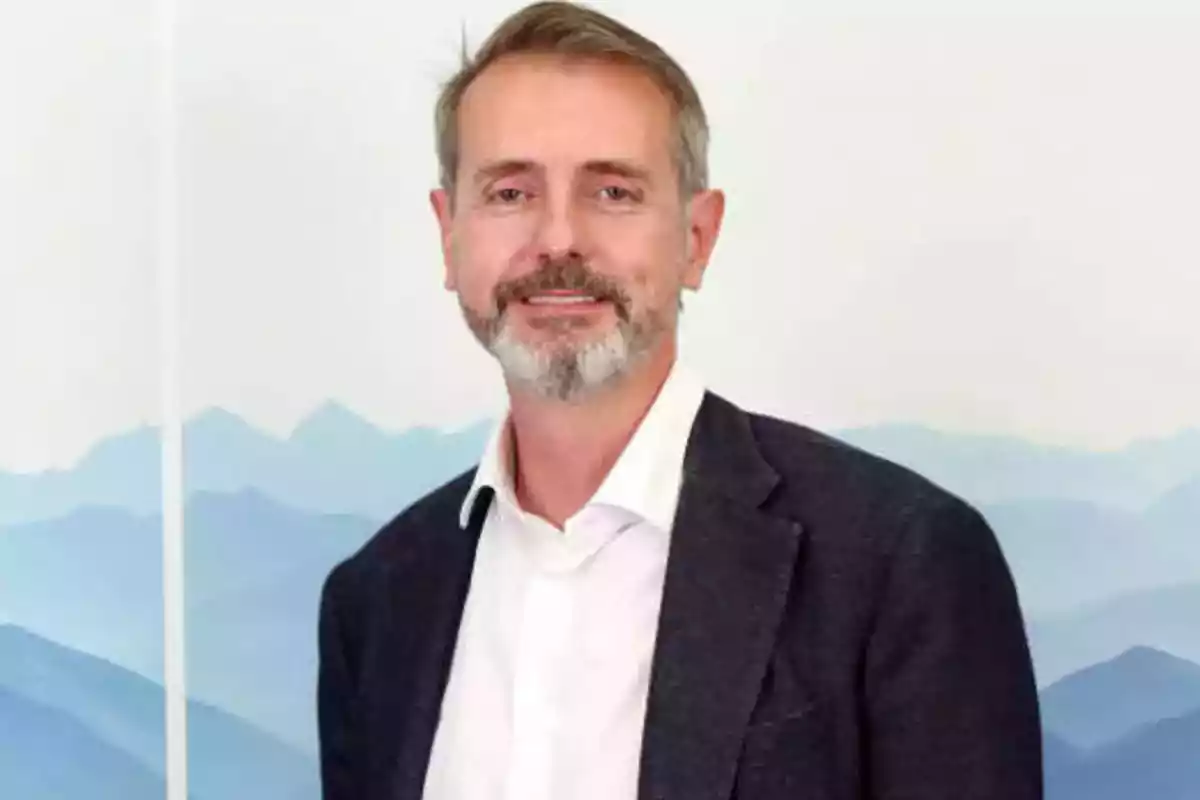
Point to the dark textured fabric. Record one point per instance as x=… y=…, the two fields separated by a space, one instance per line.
x=833 y=627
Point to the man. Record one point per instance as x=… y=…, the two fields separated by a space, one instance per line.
x=644 y=591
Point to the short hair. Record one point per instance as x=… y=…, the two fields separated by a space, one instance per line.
x=574 y=30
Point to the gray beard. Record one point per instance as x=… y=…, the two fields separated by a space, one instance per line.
x=570 y=372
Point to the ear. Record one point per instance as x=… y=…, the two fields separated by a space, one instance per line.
x=443 y=209
x=705 y=212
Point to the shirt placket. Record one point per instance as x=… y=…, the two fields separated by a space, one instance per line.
x=544 y=639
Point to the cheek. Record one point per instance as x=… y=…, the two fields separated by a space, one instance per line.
x=484 y=255
x=650 y=287
x=652 y=265
x=474 y=278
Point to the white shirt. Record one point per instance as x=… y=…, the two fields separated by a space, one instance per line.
x=548 y=684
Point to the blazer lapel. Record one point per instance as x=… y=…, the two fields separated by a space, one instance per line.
x=728 y=574
x=433 y=592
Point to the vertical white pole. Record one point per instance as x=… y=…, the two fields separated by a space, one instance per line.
x=172 y=417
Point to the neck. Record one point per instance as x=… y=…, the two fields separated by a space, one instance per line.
x=565 y=450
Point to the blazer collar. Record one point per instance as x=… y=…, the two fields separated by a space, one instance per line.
x=728 y=577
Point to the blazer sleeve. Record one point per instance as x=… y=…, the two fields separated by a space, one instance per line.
x=951 y=697
x=338 y=713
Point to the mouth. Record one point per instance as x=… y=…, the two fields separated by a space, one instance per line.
x=563 y=301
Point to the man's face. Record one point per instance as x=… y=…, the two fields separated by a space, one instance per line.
x=568 y=240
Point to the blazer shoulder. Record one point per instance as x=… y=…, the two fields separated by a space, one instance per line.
x=867 y=517
x=822 y=471
x=411 y=530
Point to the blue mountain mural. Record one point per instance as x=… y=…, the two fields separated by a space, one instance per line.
x=993 y=469
x=46 y=754
x=333 y=461
x=115 y=719
x=1058 y=756
x=1104 y=548
x=122 y=472
x=1178 y=514
x=1165 y=618
x=1119 y=551
x=92 y=580
x=336 y=461
x=122 y=709
x=253 y=570
x=1107 y=701
x=254 y=574
x=1157 y=762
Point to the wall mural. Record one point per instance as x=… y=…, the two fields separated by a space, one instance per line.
x=976 y=260
x=1103 y=548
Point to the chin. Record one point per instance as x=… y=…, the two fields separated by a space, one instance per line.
x=557 y=338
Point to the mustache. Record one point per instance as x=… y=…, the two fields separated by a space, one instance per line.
x=570 y=274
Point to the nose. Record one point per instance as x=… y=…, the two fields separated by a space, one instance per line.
x=557 y=234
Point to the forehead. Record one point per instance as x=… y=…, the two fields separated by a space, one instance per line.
x=550 y=109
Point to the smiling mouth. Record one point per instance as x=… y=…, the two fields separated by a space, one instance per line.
x=563 y=300
x=560 y=300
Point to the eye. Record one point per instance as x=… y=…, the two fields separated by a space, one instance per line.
x=506 y=195
x=618 y=194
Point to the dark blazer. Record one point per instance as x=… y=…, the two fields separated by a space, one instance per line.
x=833 y=627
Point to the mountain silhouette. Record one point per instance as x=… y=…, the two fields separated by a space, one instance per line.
x=92 y=580
x=252 y=575
x=1164 y=618
x=333 y=461
x=1092 y=539
x=121 y=471
x=122 y=714
x=1157 y=762
x=45 y=754
x=332 y=426
x=1058 y=755
x=254 y=570
x=1177 y=515
x=337 y=461
x=1044 y=538
x=1119 y=551
x=1104 y=702
x=996 y=469
x=123 y=709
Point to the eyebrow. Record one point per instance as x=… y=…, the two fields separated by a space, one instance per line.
x=501 y=169
x=504 y=168
x=620 y=168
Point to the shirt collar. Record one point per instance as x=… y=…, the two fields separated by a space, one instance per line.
x=646 y=477
x=494 y=471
